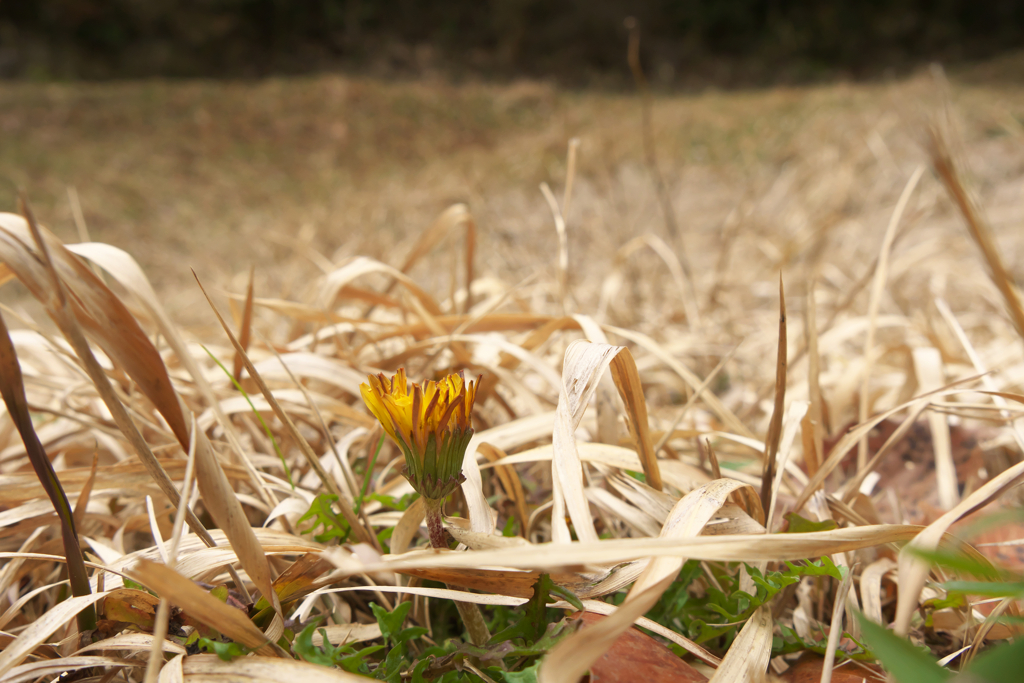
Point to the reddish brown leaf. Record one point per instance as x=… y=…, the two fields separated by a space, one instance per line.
x=635 y=656
x=807 y=669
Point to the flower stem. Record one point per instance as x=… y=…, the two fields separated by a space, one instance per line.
x=470 y=612
x=438 y=536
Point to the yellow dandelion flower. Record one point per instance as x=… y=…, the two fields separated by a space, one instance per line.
x=431 y=423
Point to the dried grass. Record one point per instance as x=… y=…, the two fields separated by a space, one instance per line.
x=546 y=321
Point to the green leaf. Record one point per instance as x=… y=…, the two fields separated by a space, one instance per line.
x=906 y=663
x=960 y=562
x=128 y=583
x=401 y=504
x=405 y=635
x=304 y=647
x=220 y=592
x=354 y=663
x=390 y=622
x=802 y=525
x=322 y=514
x=509 y=530
x=527 y=675
x=227 y=652
x=534 y=620
x=568 y=596
x=986 y=588
x=1002 y=664
x=824 y=567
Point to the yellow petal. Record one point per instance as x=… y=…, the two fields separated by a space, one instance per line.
x=373 y=401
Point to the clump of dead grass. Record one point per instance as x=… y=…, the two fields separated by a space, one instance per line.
x=587 y=377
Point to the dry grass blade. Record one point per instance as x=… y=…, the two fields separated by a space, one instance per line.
x=584 y=364
x=100 y=313
x=232 y=622
x=336 y=281
x=63 y=666
x=263 y=670
x=104 y=315
x=853 y=437
x=173 y=671
x=222 y=503
x=563 y=247
x=727 y=548
x=814 y=445
x=747 y=658
x=123 y=268
x=775 y=426
x=728 y=417
x=510 y=482
x=930 y=376
x=245 y=328
x=450 y=218
x=627 y=379
x=314 y=461
x=836 y=627
x=871 y=587
x=158 y=646
x=41 y=629
x=82 y=504
x=13 y=389
x=877 y=287
x=947 y=170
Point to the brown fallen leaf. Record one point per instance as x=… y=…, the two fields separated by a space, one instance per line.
x=635 y=656
x=807 y=669
x=130 y=606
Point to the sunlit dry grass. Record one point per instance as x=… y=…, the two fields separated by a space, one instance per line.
x=400 y=225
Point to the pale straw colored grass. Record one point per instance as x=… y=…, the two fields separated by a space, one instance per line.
x=597 y=359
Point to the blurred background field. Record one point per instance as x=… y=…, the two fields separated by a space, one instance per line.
x=219 y=175
x=347 y=126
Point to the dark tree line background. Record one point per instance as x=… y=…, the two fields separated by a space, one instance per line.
x=575 y=41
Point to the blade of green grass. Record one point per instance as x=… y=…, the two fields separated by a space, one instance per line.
x=905 y=662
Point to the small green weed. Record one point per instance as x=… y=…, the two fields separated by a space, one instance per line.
x=714 y=615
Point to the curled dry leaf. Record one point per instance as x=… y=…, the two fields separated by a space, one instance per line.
x=39 y=630
x=747 y=658
x=584 y=364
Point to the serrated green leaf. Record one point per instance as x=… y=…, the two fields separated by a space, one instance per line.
x=390 y=622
